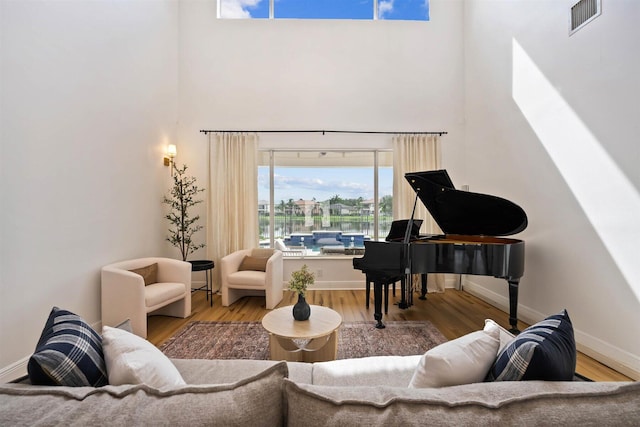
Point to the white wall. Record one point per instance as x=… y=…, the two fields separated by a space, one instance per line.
x=552 y=124
x=320 y=74
x=331 y=272
x=89 y=101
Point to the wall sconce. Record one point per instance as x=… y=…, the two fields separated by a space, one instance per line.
x=171 y=154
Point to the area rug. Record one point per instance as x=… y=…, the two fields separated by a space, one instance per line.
x=249 y=340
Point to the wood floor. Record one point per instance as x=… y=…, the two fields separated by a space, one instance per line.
x=454 y=313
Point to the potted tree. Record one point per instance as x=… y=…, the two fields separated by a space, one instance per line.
x=182 y=197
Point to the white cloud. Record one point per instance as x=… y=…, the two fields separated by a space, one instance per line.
x=231 y=9
x=320 y=189
x=384 y=7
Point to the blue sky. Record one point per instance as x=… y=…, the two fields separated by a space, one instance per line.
x=323 y=183
x=333 y=9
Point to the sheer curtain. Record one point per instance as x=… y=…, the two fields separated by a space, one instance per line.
x=415 y=153
x=232 y=213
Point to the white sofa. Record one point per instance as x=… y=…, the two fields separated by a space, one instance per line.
x=369 y=391
x=147 y=388
x=125 y=296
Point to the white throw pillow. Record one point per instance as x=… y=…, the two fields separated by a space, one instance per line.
x=505 y=336
x=131 y=359
x=464 y=360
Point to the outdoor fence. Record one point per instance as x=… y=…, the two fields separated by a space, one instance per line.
x=285 y=225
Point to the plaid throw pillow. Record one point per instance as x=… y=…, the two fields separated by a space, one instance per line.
x=69 y=353
x=544 y=351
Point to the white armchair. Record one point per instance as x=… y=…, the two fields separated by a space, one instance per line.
x=238 y=282
x=125 y=296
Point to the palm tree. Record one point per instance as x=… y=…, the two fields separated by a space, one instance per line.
x=359 y=209
x=335 y=200
x=386 y=204
x=283 y=209
x=290 y=206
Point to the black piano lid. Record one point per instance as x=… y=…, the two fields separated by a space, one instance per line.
x=464 y=212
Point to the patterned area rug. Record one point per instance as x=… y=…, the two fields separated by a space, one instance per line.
x=248 y=340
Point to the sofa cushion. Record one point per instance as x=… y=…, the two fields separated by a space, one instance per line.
x=505 y=336
x=246 y=279
x=253 y=263
x=366 y=371
x=254 y=400
x=160 y=293
x=149 y=273
x=225 y=371
x=543 y=351
x=464 y=360
x=497 y=403
x=134 y=360
x=68 y=353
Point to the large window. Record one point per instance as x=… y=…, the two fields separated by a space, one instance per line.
x=410 y=10
x=319 y=198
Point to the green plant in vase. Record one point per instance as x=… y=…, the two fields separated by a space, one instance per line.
x=299 y=282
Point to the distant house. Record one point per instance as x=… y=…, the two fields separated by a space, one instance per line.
x=308 y=207
x=340 y=209
x=263 y=207
x=367 y=207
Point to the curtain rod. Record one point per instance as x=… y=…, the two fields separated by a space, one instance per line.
x=327 y=131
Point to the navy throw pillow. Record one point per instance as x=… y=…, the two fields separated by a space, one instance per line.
x=68 y=353
x=544 y=351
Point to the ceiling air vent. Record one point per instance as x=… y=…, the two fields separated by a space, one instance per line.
x=582 y=13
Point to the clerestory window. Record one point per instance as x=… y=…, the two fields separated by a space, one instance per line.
x=409 y=10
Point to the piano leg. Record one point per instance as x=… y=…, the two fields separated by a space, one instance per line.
x=423 y=287
x=386 y=297
x=513 y=305
x=368 y=292
x=403 y=293
x=377 y=303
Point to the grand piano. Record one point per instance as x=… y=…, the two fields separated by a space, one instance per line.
x=473 y=224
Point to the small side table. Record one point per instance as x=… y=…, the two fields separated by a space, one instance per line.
x=312 y=340
x=207 y=267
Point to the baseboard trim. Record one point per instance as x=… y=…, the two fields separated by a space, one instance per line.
x=195 y=284
x=451 y=281
x=614 y=357
x=331 y=285
x=14 y=371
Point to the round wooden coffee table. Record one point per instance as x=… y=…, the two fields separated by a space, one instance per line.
x=312 y=340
